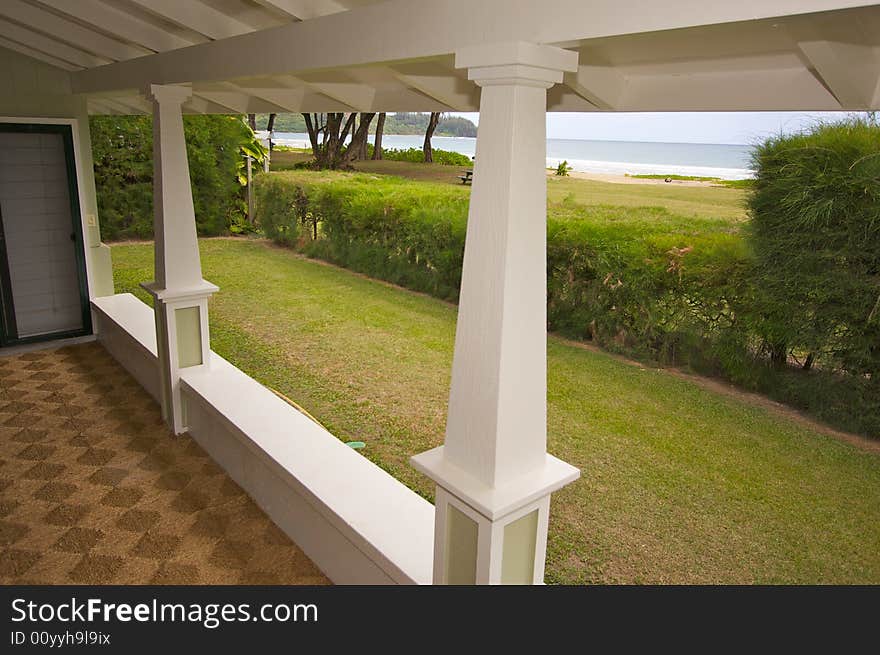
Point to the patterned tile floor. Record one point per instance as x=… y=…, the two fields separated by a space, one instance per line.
x=94 y=489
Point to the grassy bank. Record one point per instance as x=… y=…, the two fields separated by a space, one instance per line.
x=679 y=484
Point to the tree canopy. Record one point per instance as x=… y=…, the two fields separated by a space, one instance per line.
x=122 y=147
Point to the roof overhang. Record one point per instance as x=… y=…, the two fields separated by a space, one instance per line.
x=682 y=55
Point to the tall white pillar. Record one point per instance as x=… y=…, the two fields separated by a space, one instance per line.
x=494 y=476
x=179 y=292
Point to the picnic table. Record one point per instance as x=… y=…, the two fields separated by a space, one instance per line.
x=467 y=178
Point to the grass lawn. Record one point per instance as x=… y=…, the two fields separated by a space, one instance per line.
x=680 y=484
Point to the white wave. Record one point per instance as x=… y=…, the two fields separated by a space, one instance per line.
x=632 y=168
x=291 y=143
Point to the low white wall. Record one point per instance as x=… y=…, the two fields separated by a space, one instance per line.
x=125 y=327
x=355 y=521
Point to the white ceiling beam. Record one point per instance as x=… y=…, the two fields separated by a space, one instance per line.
x=36 y=54
x=396 y=30
x=230 y=95
x=198 y=104
x=136 y=104
x=318 y=103
x=52 y=47
x=355 y=95
x=304 y=9
x=442 y=84
x=312 y=95
x=288 y=100
x=196 y=16
x=601 y=86
x=850 y=71
x=101 y=107
x=119 y=22
x=561 y=98
x=231 y=103
x=404 y=99
x=294 y=95
x=69 y=32
x=120 y=107
x=764 y=90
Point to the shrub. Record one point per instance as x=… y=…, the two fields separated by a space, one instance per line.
x=815 y=209
x=278 y=209
x=122 y=148
x=416 y=156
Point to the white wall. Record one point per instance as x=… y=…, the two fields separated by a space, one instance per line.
x=34 y=92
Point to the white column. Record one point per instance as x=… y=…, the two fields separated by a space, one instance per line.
x=179 y=292
x=494 y=476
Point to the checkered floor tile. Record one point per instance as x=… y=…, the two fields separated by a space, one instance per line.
x=94 y=489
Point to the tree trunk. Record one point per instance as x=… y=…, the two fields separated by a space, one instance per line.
x=250 y=191
x=269 y=127
x=252 y=121
x=432 y=125
x=357 y=149
x=808 y=362
x=333 y=129
x=779 y=354
x=362 y=142
x=312 y=129
x=377 y=144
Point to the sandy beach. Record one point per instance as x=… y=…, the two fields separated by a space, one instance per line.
x=624 y=179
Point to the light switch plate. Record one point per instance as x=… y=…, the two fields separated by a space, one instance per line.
x=91 y=220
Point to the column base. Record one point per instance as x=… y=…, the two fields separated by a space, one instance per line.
x=182 y=341
x=486 y=535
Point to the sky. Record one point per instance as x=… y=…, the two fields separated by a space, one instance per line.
x=704 y=127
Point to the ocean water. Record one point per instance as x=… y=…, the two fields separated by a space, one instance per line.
x=729 y=162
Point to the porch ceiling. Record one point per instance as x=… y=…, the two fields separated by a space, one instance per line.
x=95 y=490
x=360 y=55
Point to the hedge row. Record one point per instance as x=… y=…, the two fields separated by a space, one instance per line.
x=407 y=233
x=635 y=286
x=417 y=156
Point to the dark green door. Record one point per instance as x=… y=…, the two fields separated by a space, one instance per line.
x=42 y=266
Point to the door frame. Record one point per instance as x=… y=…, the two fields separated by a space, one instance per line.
x=65 y=130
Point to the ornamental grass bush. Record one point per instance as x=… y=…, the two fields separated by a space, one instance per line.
x=815 y=230
x=815 y=227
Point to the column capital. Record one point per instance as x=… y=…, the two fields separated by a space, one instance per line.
x=168 y=93
x=516 y=63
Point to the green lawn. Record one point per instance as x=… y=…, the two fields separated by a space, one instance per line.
x=680 y=485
